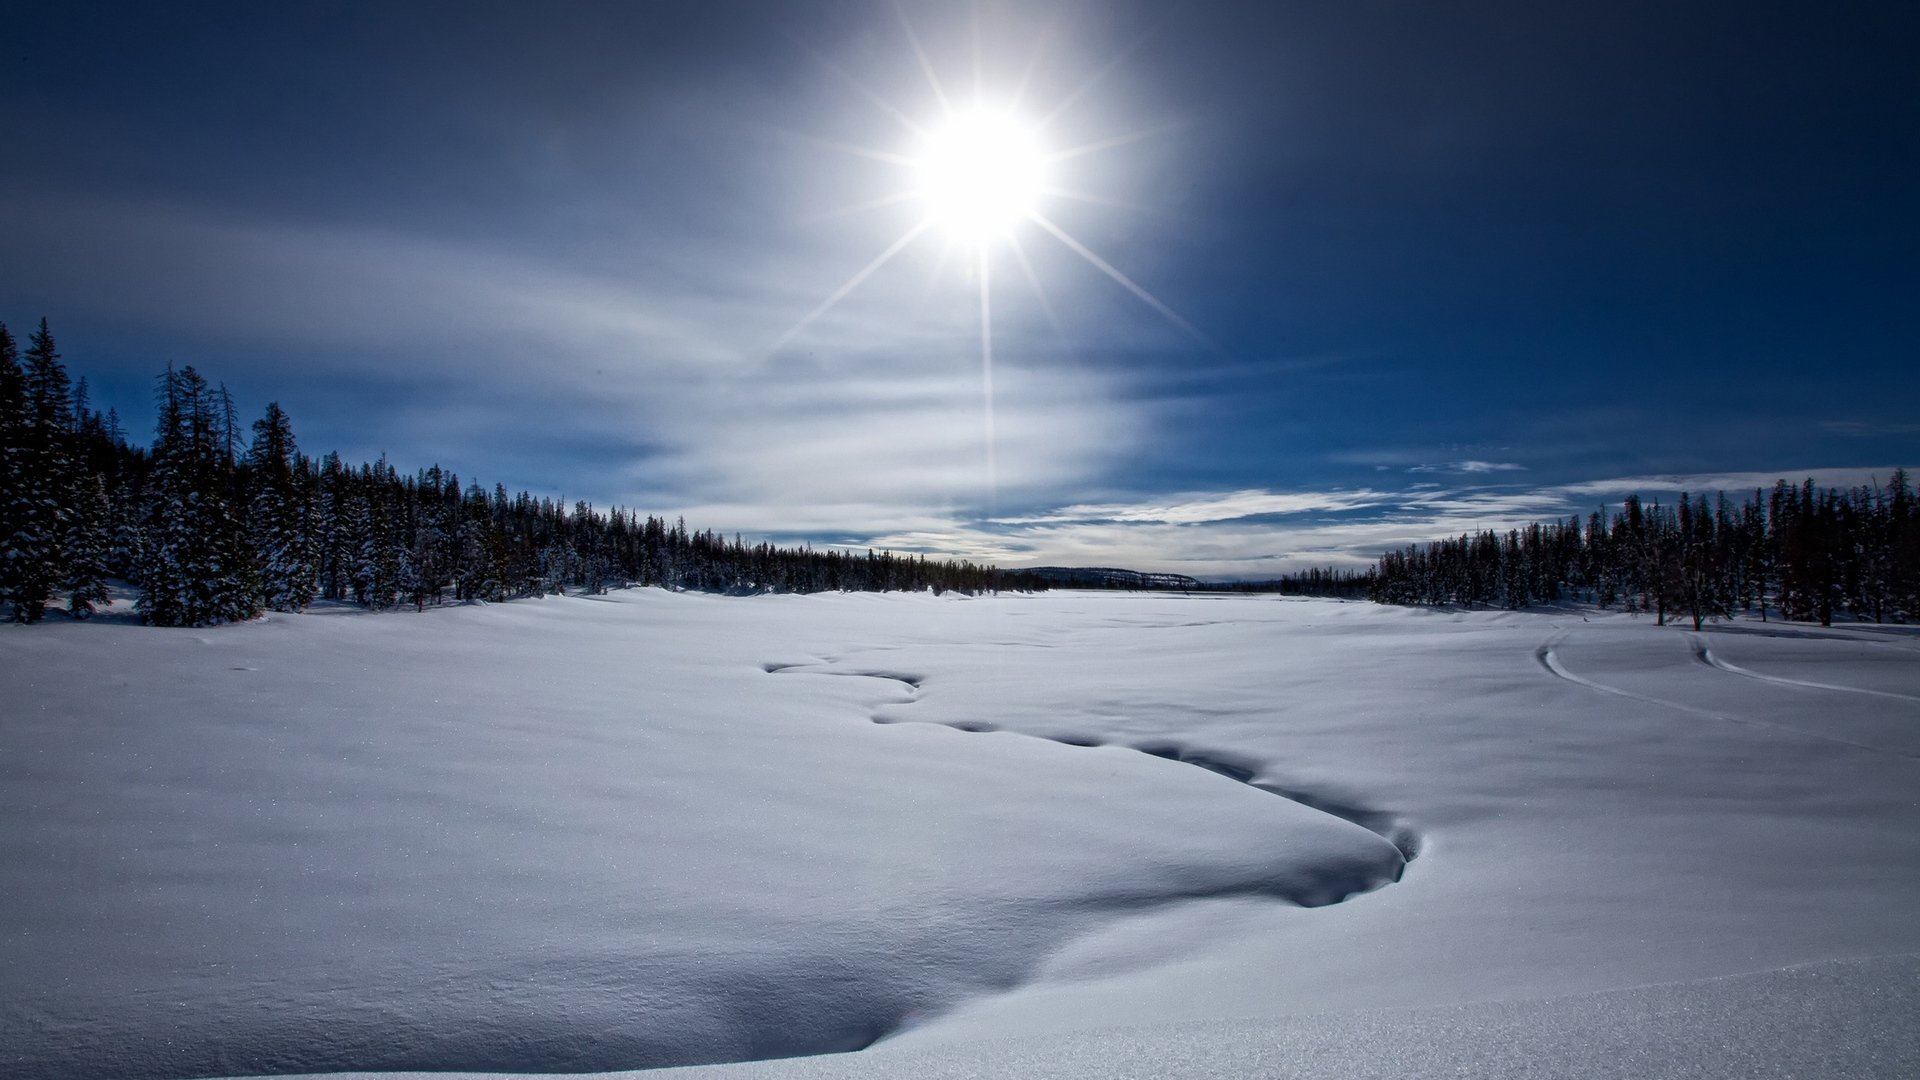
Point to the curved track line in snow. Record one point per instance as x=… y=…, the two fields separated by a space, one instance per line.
x=1383 y=824
x=1705 y=655
x=1314 y=887
x=1550 y=660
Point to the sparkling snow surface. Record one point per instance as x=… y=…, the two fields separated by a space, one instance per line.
x=1071 y=834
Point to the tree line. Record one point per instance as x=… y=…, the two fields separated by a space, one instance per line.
x=1314 y=581
x=211 y=524
x=1803 y=552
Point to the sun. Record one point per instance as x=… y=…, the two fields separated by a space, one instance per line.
x=980 y=173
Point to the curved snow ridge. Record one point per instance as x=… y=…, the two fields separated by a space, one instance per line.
x=1549 y=659
x=1388 y=826
x=1705 y=656
x=1332 y=888
x=911 y=682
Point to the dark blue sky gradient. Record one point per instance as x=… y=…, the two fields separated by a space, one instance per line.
x=1521 y=251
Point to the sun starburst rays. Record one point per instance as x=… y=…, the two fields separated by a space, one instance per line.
x=920 y=56
x=1123 y=280
x=981 y=172
x=853 y=282
x=986 y=377
x=986 y=207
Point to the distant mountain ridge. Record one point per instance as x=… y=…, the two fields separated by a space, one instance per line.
x=1110 y=577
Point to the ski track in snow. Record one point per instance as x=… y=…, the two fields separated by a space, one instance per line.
x=1387 y=826
x=1550 y=660
x=1705 y=656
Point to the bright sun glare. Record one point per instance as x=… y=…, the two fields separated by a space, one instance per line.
x=980 y=174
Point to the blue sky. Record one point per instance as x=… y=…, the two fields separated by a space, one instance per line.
x=1450 y=265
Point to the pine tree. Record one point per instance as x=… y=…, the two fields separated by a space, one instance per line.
x=1903 y=546
x=277 y=535
x=1699 y=581
x=88 y=548
x=195 y=569
x=43 y=480
x=1757 y=553
x=332 y=501
x=13 y=495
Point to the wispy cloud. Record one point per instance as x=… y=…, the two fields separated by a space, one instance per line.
x=1733 y=483
x=1194 y=508
x=1469 y=467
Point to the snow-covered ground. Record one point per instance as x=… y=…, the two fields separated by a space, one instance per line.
x=1073 y=834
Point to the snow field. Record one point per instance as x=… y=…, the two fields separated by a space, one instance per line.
x=655 y=829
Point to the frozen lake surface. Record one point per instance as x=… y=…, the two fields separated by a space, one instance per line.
x=1070 y=834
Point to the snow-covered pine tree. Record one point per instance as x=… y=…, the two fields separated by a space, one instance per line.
x=435 y=536
x=392 y=564
x=167 y=542
x=477 y=571
x=277 y=534
x=195 y=568
x=88 y=547
x=362 y=536
x=13 y=427
x=1903 y=544
x=377 y=571
x=126 y=525
x=43 y=481
x=328 y=526
x=408 y=582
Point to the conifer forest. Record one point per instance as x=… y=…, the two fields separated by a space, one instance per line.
x=1802 y=553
